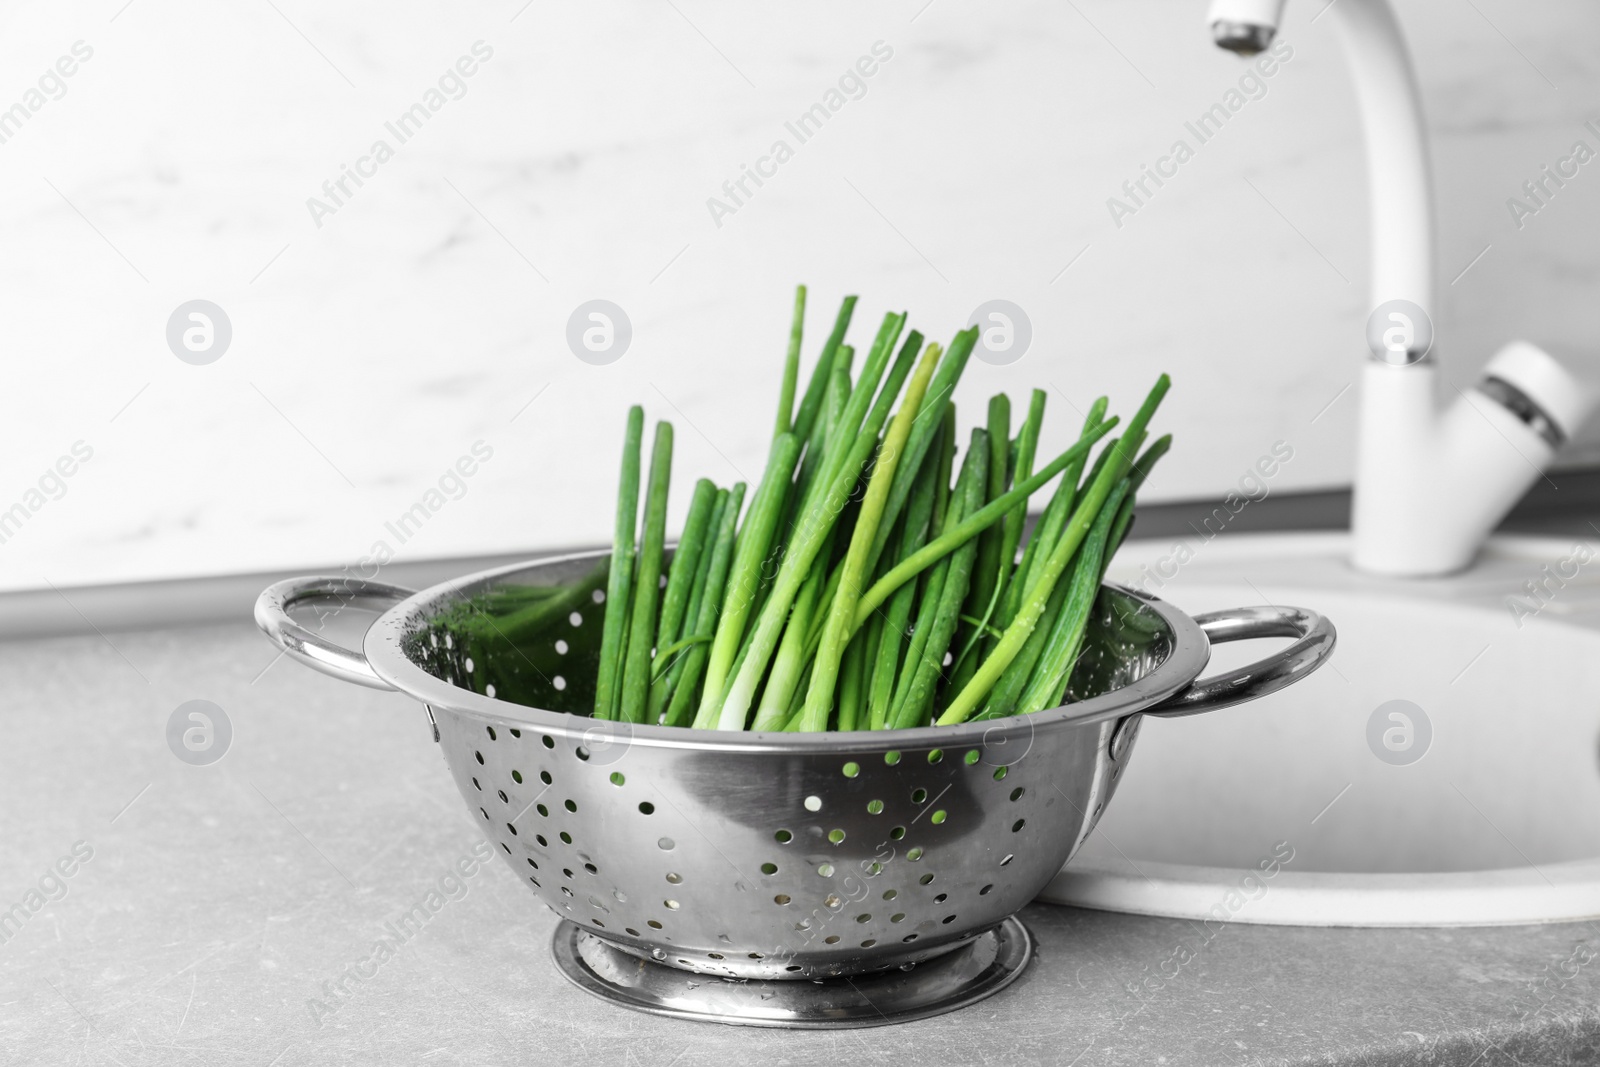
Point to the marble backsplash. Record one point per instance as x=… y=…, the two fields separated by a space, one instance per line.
x=398 y=208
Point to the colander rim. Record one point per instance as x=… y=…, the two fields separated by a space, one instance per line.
x=384 y=648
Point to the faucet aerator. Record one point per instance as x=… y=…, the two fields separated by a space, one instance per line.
x=1245 y=38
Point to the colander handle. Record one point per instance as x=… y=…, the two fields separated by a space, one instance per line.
x=1316 y=638
x=307 y=645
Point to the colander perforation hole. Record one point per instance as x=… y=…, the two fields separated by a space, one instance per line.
x=1008 y=858
x=941 y=898
x=897 y=833
x=542 y=810
x=475 y=783
x=874 y=807
x=919 y=795
x=514 y=731
x=831 y=939
x=670 y=905
x=833 y=901
x=674 y=877
x=570 y=805
x=825 y=869
x=591 y=868
x=535 y=881
x=869 y=942
x=948 y=919
x=540 y=838
x=999 y=773
x=632 y=931
x=891 y=757
x=566 y=838
x=479 y=756
x=503 y=798
x=492 y=736
x=813 y=803
x=666 y=844
x=909 y=938
x=986 y=890
x=971 y=757
x=618 y=778
x=531 y=863
x=926 y=879
x=851 y=769
x=769 y=868
x=836 y=836
x=582 y=753
x=516 y=776
x=890 y=894
x=936 y=756
x=781 y=899
x=864 y=917
x=1016 y=794
x=938 y=817
x=567 y=871
x=914 y=854
x=783 y=837
x=652 y=924
x=513 y=829
x=646 y=808
x=484 y=813
x=1018 y=825
x=544 y=776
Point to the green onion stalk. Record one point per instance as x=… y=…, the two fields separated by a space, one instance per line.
x=614 y=630
x=824 y=672
x=1021 y=628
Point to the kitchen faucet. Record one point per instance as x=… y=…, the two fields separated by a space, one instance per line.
x=1430 y=484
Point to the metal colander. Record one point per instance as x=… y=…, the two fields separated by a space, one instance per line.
x=771 y=857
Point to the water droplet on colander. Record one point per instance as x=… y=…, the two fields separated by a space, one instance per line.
x=657 y=953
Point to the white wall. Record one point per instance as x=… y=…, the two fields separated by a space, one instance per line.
x=425 y=313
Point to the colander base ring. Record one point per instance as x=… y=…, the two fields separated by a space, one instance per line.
x=988 y=963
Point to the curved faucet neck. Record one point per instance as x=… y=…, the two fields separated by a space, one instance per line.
x=1399 y=180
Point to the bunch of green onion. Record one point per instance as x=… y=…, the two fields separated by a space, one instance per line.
x=870 y=582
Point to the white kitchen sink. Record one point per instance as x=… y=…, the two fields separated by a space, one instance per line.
x=1478 y=804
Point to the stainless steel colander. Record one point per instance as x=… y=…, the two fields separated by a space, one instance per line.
x=679 y=857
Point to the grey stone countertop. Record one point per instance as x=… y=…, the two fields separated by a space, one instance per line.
x=207 y=910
